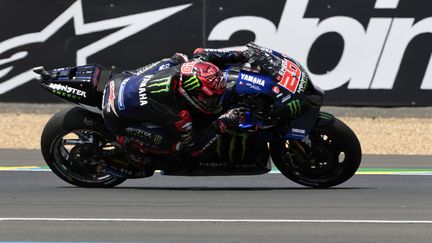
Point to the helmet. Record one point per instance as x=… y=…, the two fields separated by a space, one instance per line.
x=202 y=85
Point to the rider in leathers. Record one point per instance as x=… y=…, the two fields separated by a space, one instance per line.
x=163 y=108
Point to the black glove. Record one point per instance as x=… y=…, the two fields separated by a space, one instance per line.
x=180 y=58
x=230 y=121
x=267 y=62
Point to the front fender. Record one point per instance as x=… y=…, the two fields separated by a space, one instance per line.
x=324 y=119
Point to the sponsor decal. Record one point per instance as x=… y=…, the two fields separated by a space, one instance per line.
x=157 y=139
x=144 y=69
x=294 y=107
x=276 y=89
x=284 y=99
x=66 y=91
x=325 y=116
x=191 y=84
x=283 y=67
x=187 y=68
x=252 y=86
x=218 y=50
x=290 y=79
x=162 y=85
x=213 y=164
x=120 y=103
x=304 y=82
x=252 y=79
x=233 y=145
x=207 y=91
x=144 y=136
x=207 y=145
x=225 y=165
x=142 y=90
x=136 y=132
x=165 y=66
x=111 y=98
x=297 y=130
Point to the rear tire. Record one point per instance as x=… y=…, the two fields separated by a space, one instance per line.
x=68 y=136
x=333 y=158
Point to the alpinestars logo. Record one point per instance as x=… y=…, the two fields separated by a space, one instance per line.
x=123 y=27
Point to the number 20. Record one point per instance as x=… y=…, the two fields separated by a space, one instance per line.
x=291 y=77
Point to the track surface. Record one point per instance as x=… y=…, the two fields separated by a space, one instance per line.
x=37 y=206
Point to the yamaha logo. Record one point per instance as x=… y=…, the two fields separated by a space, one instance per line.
x=252 y=79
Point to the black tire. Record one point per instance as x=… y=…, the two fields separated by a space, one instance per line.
x=62 y=135
x=333 y=158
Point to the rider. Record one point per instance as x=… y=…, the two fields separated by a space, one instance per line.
x=155 y=109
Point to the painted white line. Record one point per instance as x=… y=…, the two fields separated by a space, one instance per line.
x=224 y=220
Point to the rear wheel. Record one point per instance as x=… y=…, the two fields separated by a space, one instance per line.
x=70 y=142
x=331 y=157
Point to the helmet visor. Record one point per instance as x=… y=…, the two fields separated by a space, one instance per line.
x=211 y=103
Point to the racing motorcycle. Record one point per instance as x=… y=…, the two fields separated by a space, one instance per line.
x=283 y=127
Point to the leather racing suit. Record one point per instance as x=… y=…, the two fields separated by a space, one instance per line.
x=144 y=109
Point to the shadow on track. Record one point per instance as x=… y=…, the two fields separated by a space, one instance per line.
x=222 y=188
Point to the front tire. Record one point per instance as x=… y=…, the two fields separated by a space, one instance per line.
x=69 y=140
x=331 y=158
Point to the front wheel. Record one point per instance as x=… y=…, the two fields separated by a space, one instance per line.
x=330 y=157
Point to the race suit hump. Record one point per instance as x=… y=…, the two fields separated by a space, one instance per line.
x=146 y=97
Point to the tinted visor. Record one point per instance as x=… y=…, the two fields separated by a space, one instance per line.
x=211 y=103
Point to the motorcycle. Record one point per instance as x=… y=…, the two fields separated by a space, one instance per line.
x=283 y=126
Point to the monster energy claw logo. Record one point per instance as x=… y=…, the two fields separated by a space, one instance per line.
x=325 y=116
x=157 y=139
x=192 y=83
x=163 y=85
x=294 y=107
x=233 y=145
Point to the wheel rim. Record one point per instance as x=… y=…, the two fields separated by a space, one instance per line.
x=72 y=151
x=321 y=162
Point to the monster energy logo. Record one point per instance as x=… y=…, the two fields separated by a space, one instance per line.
x=192 y=83
x=232 y=145
x=163 y=84
x=66 y=91
x=157 y=139
x=294 y=107
x=325 y=116
x=65 y=94
x=303 y=84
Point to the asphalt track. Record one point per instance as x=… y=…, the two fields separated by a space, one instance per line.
x=371 y=207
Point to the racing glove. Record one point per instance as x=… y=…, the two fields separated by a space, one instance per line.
x=184 y=128
x=265 y=61
x=218 y=57
x=180 y=58
x=230 y=121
